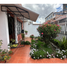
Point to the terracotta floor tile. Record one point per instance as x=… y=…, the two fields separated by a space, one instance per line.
x=22 y=61
x=21 y=55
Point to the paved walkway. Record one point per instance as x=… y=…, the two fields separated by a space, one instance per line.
x=21 y=55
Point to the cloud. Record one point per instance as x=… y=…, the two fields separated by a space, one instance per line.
x=58 y=7
x=42 y=9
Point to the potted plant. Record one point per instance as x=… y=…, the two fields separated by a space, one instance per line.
x=6 y=58
x=26 y=32
x=1 y=60
x=12 y=41
x=3 y=54
x=23 y=36
x=13 y=44
x=32 y=36
x=10 y=52
x=25 y=43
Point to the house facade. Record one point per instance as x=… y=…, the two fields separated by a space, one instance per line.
x=12 y=22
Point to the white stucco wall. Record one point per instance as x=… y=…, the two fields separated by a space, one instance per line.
x=32 y=29
x=4 y=35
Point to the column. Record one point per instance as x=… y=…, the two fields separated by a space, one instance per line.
x=16 y=38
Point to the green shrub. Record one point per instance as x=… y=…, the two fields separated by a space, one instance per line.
x=33 y=42
x=40 y=38
x=48 y=31
x=10 y=52
x=58 y=43
x=22 y=42
x=33 y=46
x=58 y=55
x=32 y=36
x=38 y=54
x=63 y=43
x=40 y=44
x=4 y=52
x=23 y=36
x=62 y=54
x=25 y=43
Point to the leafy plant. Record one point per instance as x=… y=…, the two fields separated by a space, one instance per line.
x=22 y=42
x=33 y=42
x=6 y=57
x=10 y=52
x=23 y=36
x=40 y=44
x=37 y=54
x=32 y=36
x=26 y=31
x=48 y=32
x=10 y=44
x=39 y=38
x=12 y=41
x=25 y=42
x=14 y=45
x=62 y=43
x=4 y=52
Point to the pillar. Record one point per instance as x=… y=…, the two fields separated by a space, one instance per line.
x=16 y=37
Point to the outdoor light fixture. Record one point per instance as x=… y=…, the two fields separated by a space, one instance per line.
x=9 y=15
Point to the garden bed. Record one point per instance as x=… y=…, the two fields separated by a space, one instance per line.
x=40 y=50
x=43 y=48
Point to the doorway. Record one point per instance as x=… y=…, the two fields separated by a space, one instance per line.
x=11 y=27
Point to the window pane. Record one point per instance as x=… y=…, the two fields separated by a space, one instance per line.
x=18 y=27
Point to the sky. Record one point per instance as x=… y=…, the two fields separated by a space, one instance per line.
x=43 y=10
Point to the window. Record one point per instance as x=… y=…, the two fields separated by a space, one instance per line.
x=18 y=27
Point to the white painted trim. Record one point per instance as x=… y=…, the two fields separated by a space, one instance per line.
x=16 y=37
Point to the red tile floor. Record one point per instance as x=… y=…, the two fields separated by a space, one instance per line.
x=21 y=55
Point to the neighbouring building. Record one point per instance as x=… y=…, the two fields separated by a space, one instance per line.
x=53 y=15
x=12 y=22
x=59 y=18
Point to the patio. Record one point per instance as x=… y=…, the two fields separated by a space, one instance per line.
x=21 y=55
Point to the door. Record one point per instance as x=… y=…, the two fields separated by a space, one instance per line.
x=11 y=26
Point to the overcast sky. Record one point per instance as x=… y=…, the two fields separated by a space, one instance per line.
x=43 y=9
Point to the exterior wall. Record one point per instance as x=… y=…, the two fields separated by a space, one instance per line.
x=19 y=37
x=60 y=36
x=4 y=35
x=32 y=29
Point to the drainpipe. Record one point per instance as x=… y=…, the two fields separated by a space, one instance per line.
x=16 y=39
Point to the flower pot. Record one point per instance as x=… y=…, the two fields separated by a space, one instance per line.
x=3 y=61
x=26 y=33
x=11 y=54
